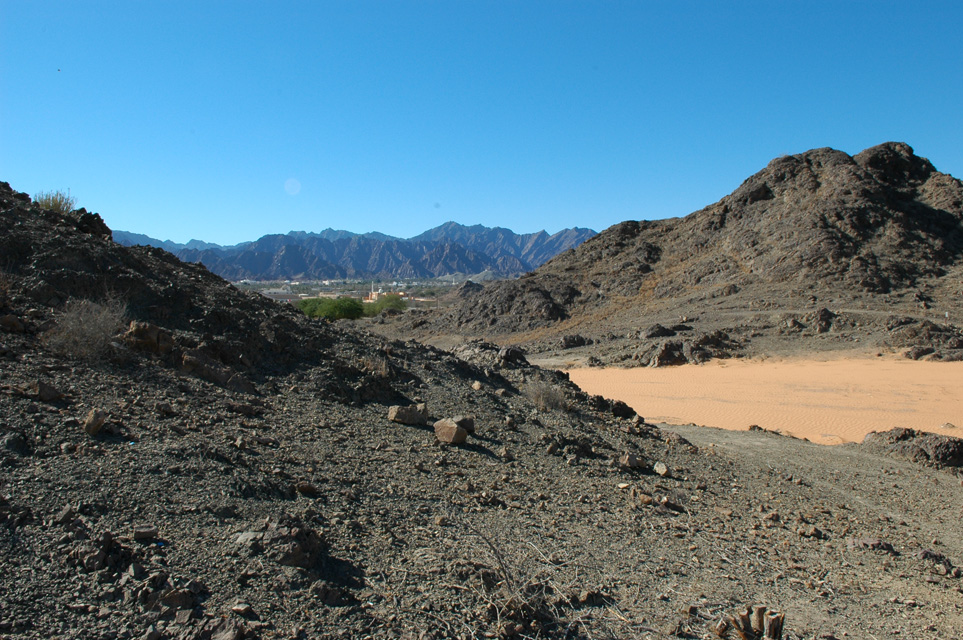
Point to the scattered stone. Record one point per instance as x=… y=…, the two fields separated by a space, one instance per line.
x=94 y=421
x=306 y=489
x=573 y=341
x=873 y=544
x=243 y=609
x=465 y=422
x=12 y=324
x=151 y=634
x=629 y=461
x=15 y=443
x=812 y=531
x=66 y=515
x=44 y=392
x=287 y=541
x=512 y=355
x=412 y=414
x=448 y=431
x=476 y=385
x=145 y=532
x=144 y=336
x=622 y=410
x=505 y=454
x=178 y=599
x=660 y=469
x=244 y=408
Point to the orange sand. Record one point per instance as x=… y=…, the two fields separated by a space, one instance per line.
x=826 y=401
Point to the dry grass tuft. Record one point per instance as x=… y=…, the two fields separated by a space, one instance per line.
x=57 y=201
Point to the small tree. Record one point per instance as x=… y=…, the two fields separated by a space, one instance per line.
x=58 y=201
x=391 y=301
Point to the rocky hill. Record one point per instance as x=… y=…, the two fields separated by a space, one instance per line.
x=445 y=250
x=816 y=241
x=184 y=461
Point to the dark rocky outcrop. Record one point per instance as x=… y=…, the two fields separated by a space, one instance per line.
x=917 y=446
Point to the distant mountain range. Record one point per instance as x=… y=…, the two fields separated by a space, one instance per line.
x=449 y=249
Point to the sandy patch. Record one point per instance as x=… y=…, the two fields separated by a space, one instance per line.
x=827 y=401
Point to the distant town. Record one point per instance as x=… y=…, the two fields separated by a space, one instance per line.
x=417 y=293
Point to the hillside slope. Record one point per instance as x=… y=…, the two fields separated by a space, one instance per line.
x=879 y=232
x=226 y=469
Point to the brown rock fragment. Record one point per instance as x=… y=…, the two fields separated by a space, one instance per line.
x=145 y=532
x=448 y=431
x=629 y=461
x=94 y=421
x=413 y=414
x=147 y=337
x=465 y=422
x=306 y=488
x=44 y=392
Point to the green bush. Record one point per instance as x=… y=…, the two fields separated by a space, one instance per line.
x=389 y=302
x=58 y=201
x=332 y=308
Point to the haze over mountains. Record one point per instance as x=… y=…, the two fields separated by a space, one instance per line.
x=451 y=248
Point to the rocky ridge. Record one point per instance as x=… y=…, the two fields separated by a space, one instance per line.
x=224 y=468
x=821 y=244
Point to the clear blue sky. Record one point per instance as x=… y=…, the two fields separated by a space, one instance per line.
x=225 y=121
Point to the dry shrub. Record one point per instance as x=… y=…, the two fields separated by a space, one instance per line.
x=546 y=397
x=58 y=201
x=85 y=328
